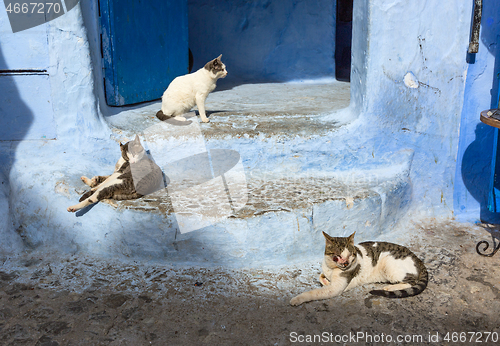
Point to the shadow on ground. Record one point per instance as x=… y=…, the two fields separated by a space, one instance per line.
x=81 y=301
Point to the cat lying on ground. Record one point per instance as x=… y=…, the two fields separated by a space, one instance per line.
x=135 y=175
x=189 y=90
x=346 y=265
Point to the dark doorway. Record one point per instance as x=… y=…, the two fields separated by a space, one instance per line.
x=343 y=38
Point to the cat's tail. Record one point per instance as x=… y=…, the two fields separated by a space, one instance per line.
x=162 y=116
x=417 y=287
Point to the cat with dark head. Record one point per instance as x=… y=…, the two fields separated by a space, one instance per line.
x=184 y=92
x=135 y=175
x=346 y=265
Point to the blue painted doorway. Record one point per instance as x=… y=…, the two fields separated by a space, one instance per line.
x=144 y=46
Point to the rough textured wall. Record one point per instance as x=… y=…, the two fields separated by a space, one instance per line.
x=90 y=15
x=71 y=76
x=476 y=139
x=428 y=40
x=265 y=40
x=74 y=111
x=359 y=56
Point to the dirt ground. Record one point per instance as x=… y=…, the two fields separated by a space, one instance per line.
x=78 y=300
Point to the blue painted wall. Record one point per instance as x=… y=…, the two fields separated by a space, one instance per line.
x=429 y=40
x=60 y=47
x=475 y=151
x=436 y=117
x=25 y=98
x=264 y=40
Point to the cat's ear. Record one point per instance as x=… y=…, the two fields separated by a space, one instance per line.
x=210 y=65
x=328 y=238
x=217 y=61
x=137 y=138
x=351 y=238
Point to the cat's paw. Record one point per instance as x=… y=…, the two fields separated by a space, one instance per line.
x=86 y=180
x=323 y=280
x=180 y=118
x=205 y=120
x=296 y=300
x=71 y=209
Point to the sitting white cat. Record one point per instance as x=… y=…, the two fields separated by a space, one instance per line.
x=189 y=90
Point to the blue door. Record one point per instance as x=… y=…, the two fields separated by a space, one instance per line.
x=144 y=47
x=494 y=189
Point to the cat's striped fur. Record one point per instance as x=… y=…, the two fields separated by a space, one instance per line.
x=133 y=164
x=346 y=265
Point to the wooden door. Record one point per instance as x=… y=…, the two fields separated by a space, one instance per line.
x=144 y=47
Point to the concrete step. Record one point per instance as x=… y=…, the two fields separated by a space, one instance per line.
x=251 y=110
x=278 y=218
x=250 y=188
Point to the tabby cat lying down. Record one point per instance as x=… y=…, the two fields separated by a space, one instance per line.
x=346 y=265
x=134 y=164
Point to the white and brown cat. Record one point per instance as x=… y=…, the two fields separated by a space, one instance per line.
x=346 y=265
x=184 y=92
x=135 y=175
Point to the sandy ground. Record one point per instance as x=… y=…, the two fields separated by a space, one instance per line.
x=49 y=299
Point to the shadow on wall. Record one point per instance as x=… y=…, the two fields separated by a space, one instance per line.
x=477 y=158
x=16 y=119
x=476 y=167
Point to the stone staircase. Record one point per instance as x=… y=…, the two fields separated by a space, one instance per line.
x=251 y=188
